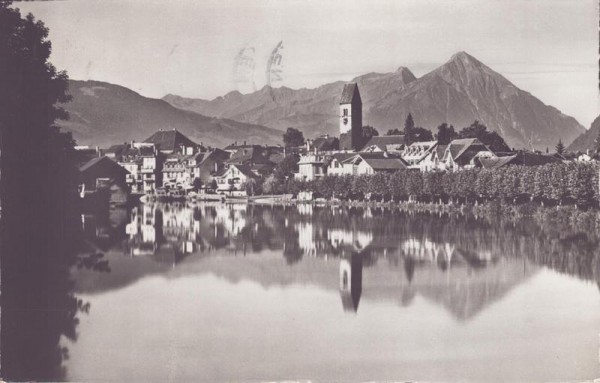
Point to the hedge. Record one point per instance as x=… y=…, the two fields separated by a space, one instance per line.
x=563 y=183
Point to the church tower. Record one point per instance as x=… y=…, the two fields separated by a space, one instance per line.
x=351 y=118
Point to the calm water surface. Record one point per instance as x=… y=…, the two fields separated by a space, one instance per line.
x=236 y=292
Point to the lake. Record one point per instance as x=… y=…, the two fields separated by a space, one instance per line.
x=236 y=292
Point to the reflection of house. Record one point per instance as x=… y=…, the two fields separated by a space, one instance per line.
x=351 y=282
x=352 y=239
x=144 y=229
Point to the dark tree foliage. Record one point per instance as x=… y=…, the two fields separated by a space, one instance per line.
x=445 y=134
x=287 y=167
x=368 y=131
x=37 y=191
x=492 y=139
x=293 y=137
x=421 y=134
x=596 y=148
x=394 y=132
x=561 y=183
x=409 y=127
x=560 y=147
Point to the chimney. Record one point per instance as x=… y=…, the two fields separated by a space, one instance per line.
x=244 y=142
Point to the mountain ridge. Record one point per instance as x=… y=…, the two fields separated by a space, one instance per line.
x=461 y=90
x=102 y=114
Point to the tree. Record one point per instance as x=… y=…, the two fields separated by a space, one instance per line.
x=445 y=134
x=287 y=167
x=394 y=132
x=491 y=139
x=597 y=144
x=37 y=192
x=409 y=126
x=421 y=135
x=293 y=137
x=367 y=132
x=560 y=147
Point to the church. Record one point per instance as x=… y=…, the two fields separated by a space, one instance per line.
x=351 y=118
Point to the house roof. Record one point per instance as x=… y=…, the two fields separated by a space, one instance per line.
x=385 y=163
x=101 y=161
x=519 y=158
x=350 y=93
x=382 y=142
x=441 y=149
x=466 y=147
x=169 y=140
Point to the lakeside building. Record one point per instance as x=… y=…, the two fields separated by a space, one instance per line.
x=234 y=178
x=103 y=175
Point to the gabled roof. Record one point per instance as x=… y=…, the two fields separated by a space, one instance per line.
x=382 y=142
x=385 y=163
x=244 y=169
x=441 y=149
x=350 y=93
x=102 y=161
x=169 y=140
x=520 y=158
x=496 y=162
x=378 y=160
x=465 y=147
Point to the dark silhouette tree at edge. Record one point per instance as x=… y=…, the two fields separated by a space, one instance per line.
x=39 y=205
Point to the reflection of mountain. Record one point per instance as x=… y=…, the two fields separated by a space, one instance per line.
x=459 y=264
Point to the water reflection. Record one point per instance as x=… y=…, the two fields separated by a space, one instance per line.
x=460 y=263
x=474 y=299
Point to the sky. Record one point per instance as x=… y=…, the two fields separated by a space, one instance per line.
x=546 y=47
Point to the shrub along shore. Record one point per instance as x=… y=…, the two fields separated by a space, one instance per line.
x=570 y=184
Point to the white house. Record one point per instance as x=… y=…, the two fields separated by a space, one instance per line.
x=234 y=178
x=311 y=166
x=415 y=153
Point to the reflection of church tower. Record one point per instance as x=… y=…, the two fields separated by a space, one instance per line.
x=351 y=282
x=351 y=118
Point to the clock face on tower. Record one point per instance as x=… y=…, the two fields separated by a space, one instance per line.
x=345 y=120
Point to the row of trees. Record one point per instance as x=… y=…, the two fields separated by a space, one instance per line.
x=445 y=133
x=564 y=183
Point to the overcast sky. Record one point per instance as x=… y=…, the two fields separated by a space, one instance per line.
x=546 y=47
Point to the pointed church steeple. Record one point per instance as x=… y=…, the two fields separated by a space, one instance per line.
x=350 y=118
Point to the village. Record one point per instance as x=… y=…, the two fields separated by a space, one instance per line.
x=170 y=166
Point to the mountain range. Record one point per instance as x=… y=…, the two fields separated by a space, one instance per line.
x=587 y=140
x=104 y=114
x=458 y=92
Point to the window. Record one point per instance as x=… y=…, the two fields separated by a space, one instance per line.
x=345 y=112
